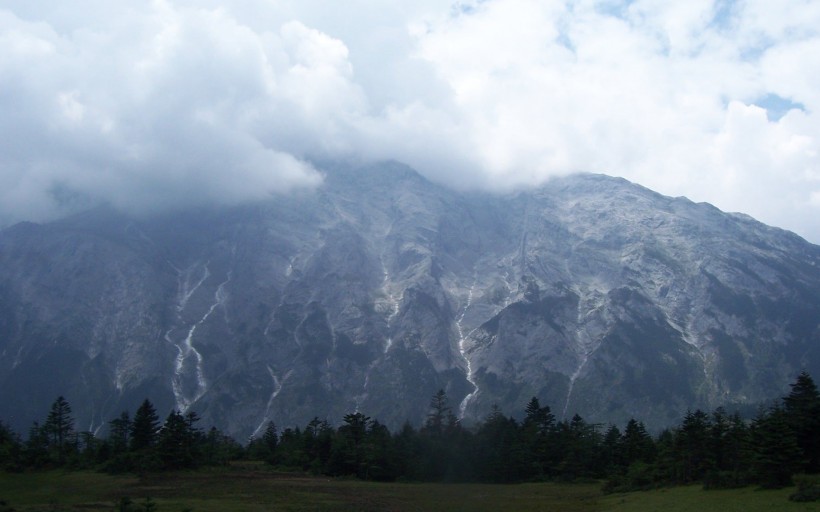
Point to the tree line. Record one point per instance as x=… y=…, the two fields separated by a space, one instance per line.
x=719 y=449
x=141 y=443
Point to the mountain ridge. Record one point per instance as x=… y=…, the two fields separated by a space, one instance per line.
x=375 y=290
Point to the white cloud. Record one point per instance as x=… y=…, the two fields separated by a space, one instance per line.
x=662 y=93
x=156 y=110
x=185 y=101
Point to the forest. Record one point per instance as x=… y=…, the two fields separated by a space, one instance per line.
x=719 y=449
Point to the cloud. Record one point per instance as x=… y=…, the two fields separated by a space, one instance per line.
x=666 y=94
x=180 y=102
x=159 y=109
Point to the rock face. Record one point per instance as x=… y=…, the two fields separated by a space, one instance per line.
x=371 y=293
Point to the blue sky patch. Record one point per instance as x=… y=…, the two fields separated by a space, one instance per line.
x=777 y=106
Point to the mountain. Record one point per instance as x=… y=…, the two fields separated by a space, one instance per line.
x=375 y=290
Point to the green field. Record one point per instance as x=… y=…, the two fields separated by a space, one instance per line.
x=254 y=488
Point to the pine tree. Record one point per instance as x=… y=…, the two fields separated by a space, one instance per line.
x=440 y=417
x=10 y=449
x=175 y=442
x=348 y=452
x=692 y=446
x=637 y=444
x=36 y=448
x=532 y=411
x=802 y=407
x=441 y=456
x=502 y=450
x=290 y=450
x=270 y=440
x=611 y=450
x=219 y=448
x=735 y=450
x=145 y=427
x=776 y=452
x=580 y=451
x=59 y=426
x=379 y=454
x=118 y=432
x=540 y=417
x=318 y=442
x=667 y=466
x=538 y=426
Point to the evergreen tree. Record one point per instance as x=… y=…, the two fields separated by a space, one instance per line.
x=692 y=447
x=442 y=442
x=636 y=443
x=729 y=443
x=540 y=417
x=776 y=453
x=802 y=407
x=410 y=453
x=59 y=426
x=537 y=430
x=145 y=427
x=35 y=452
x=119 y=430
x=579 y=444
x=612 y=450
x=219 y=448
x=634 y=454
x=347 y=456
x=10 y=449
x=379 y=454
x=194 y=436
x=736 y=451
x=668 y=468
x=176 y=439
x=318 y=442
x=291 y=452
x=89 y=449
x=719 y=449
x=718 y=430
x=270 y=440
x=502 y=453
x=440 y=418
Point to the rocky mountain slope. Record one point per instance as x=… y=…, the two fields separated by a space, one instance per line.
x=372 y=292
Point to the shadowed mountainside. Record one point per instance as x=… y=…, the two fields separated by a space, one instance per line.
x=372 y=292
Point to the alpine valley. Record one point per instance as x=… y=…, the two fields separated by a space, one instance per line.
x=378 y=288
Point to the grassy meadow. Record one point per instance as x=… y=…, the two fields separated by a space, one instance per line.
x=254 y=488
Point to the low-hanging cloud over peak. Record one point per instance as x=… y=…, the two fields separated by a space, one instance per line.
x=171 y=103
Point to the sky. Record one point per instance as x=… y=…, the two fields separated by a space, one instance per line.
x=150 y=105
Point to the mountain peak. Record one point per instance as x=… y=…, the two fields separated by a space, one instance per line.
x=596 y=295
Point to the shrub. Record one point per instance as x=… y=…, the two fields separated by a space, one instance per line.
x=638 y=477
x=724 y=480
x=808 y=488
